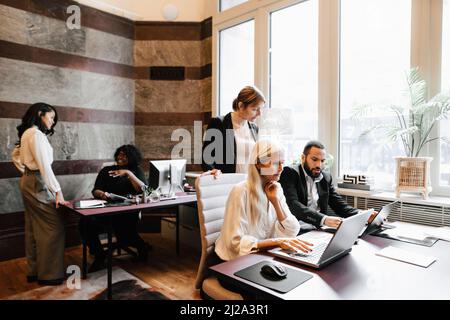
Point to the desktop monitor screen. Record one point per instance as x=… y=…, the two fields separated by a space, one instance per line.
x=168 y=175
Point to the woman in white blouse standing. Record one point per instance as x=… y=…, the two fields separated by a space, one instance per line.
x=256 y=214
x=42 y=194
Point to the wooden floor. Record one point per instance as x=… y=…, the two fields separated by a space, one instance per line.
x=169 y=274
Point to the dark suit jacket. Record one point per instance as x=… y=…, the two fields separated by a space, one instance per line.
x=228 y=145
x=294 y=188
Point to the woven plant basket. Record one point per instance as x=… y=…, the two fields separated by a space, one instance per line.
x=413 y=175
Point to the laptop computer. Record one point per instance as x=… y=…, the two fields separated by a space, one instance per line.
x=376 y=223
x=327 y=247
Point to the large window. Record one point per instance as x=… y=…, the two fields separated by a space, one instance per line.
x=227 y=4
x=445 y=85
x=294 y=72
x=375 y=55
x=318 y=61
x=236 y=60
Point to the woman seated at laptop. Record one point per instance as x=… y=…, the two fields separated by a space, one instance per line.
x=256 y=214
x=124 y=178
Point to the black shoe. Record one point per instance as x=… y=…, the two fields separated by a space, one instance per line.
x=54 y=282
x=143 y=252
x=32 y=279
x=98 y=264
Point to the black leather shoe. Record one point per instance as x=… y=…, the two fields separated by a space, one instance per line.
x=143 y=252
x=32 y=279
x=54 y=282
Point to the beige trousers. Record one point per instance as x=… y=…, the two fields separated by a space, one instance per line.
x=44 y=229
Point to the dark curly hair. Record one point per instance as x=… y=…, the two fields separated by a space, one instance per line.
x=133 y=154
x=33 y=118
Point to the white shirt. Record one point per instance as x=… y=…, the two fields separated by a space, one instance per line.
x=313 y=194
x=36 y=153
x=238 y=237
x=244 y=145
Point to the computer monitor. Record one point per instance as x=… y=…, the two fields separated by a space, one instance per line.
x=167 y=175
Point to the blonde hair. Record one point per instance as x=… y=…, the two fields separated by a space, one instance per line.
x=248 y=95
x=262 y=153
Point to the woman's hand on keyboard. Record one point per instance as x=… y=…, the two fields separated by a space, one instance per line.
x=295 y=244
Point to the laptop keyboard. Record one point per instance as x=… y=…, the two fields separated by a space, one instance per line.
x=312 y=256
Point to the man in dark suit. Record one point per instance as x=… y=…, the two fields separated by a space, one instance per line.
x=309 y=191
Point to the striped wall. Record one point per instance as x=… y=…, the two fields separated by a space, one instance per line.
x=112 y=83
x=178 y=89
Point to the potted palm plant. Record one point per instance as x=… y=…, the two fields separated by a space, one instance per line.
x=413 y=125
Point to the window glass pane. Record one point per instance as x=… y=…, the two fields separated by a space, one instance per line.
x=236 y=63
x=227 y=4
x=445 y=84
x=294 y=72
x=374 y=59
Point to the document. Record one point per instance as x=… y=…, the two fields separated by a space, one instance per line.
x=442 y=233
x=85 y=204
x=406 y=256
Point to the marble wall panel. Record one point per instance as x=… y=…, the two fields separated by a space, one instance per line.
x=168 y=53
x=73 y=187
x=43 y=32
x=207 y=51
x=11 y=199
x=206 y=97
x=109 y=47
x=168 y=96
x=27 y=82
x=100 y=91
x=155 y=141
x=73 y=141
x=52 y=34
x=13 y=24
x=79 y=141
x=8 y=137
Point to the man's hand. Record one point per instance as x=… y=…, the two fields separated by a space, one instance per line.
x=372 y=216
x=213 y=172
x=332 y=222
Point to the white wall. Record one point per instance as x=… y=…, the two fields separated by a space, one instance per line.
x=151 y=10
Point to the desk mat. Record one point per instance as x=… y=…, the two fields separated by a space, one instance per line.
x=294 y=278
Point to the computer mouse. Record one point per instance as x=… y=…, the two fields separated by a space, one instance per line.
x=273 y=271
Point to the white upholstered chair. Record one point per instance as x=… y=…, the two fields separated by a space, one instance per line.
x=212 y=195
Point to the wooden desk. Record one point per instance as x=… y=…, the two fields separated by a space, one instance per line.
x=182 y=199
x=358 y=275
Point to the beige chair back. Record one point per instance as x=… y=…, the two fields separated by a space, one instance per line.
x=212 y=195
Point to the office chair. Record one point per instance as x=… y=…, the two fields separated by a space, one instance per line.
x=212 y=195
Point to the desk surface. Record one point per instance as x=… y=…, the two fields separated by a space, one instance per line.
x=359 y=275
x=182 y=198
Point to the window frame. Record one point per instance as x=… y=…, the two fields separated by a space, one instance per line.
x=426 y=34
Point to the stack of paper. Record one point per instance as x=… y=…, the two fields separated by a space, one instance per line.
x=407 y=230
x=85 y=204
